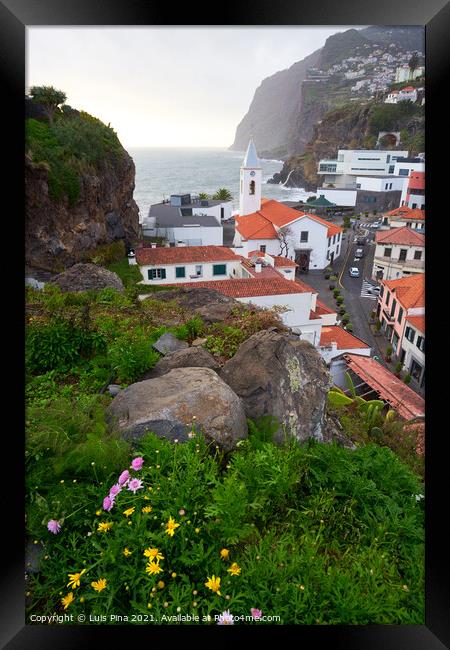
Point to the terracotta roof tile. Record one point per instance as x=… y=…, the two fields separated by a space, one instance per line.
x=405 y=211
x=321 y=308
x=404 y=235
x=418 y=322
x=401 y=398
x=248 y=287
x=185 y=254
x=409 y=290
x=343 y=339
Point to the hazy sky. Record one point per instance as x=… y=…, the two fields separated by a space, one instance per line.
x=166 y=86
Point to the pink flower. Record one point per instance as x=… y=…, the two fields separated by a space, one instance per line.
x=114 y=491
x=54 y=526
x=256 y=613
x=225 y=618
x=135 y=484
x=108 y=503
x=137 y=463
x=124 y=477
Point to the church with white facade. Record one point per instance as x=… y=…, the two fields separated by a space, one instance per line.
x=272 y=227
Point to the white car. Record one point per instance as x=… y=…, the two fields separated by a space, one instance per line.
x=375 y=290
x=354 y=272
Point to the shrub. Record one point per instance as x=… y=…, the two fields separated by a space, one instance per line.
x=345 y=318
x=131 y=355
x=336 y=293
x=341 y=310
x=407 y=379
x=349 y=327
x=224 y=340
x=340 y=300
x=377 y=326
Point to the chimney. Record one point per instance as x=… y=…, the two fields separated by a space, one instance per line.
x=153 y=244
x=258 y=267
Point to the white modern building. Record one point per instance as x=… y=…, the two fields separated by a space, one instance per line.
x=350 y=163
x=404 y=73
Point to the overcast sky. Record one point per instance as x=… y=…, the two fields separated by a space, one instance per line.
x=161 y=86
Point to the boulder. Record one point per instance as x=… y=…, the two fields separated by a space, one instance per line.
x=280 y=375
x=199 y=341
x=82 y=277
x=114 y=389
x=195 y=357
x=167 y=405
x=168 y=343
x=215 y=312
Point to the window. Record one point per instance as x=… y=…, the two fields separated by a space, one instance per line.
x=304 y=236
x=390 y=186
x=262 y=248
x=219 y=269
x=421 y=343
x=417 y=255
x=339 y=237
x=327 y=168
x=329 y=241
x=199 y=270
x=252 y=187
x=334 y=239
x=337 y=251
x=410 y=334
x=391 y=169
x=402 y=256
x=381 y=291
x=180 y=271
x=400 y=315
x=157 y=274
x=387 y=252
x=387 y=185
x=393 y=307
x=408 y=224
x=414 y=205
x=369 y=199
x=388 y=295
x=403 y=172
x=222 y=213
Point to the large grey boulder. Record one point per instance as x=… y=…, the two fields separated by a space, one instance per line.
x=195 y=297
x=168 y=343
x=196 y=357
x=167 y=405
x=278 y=374
x=216 y=312
x=82 y=277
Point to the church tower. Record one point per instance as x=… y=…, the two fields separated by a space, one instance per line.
x=250 y=182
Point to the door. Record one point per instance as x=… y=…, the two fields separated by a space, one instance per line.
x=302 y=259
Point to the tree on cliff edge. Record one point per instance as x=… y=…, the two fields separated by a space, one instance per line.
x=49 y=98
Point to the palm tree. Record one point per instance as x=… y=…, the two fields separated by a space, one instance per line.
x=222 y=194
x=50 y=98
x=413 y=62
x=203 y=196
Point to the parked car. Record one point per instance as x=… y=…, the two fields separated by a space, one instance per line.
x=374 y=290
x=361 y=241
x=375 y=225
x=354 y=272
x=359 y=253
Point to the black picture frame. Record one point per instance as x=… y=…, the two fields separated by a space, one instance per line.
x=15 y=15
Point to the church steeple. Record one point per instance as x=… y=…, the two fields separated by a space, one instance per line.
x=250 y=182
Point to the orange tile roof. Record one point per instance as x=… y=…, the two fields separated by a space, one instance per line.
x=409 y=290
x=321 y=308
x=407 y=88
x=248 y=287
x=313 y=315
x=418 y=322
x=283 y=261
x=260 y=224
x=343 y=339
x=404 y=235
x=392 y=390
x=405 y=211
x=185 y=254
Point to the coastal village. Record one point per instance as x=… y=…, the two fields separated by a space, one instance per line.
x=225 y=391
x=297 y=259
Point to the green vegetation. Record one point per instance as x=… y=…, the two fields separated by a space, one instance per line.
x=71 y=144
x=277 y=524
x=393 y=117
x=49 y=98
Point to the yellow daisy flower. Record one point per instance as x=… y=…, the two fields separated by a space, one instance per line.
x=99 y=585
x=147 y=509
x=153 y=554
x=171 y=526
x=74 y=579
x=127 y=552
x=104 y=526
x=234 y=569
x=67 y=600
x=129 y=512
x=161 y=584
x=224 y=553
x=213 y=583
x=153 y=568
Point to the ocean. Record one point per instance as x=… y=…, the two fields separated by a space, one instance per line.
x=161 y=172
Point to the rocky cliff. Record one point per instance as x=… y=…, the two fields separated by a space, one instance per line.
x=79 y=189
x=287 y=105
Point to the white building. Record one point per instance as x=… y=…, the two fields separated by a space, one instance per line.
x=250 y=182
x=404 y=73
x=350 y=163
x=334 y=341
x=404 y=216
x=398 y=252
x=348 y=196
x=277 y=229
x=188 y=219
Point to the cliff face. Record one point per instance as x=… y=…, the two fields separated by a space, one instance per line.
x=287 y=105
x=273 y=110
x=73 y=206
